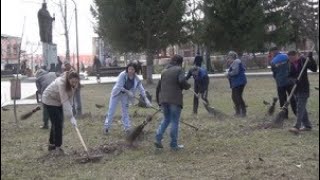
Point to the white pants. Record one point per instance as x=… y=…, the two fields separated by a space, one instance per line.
x=124 y=98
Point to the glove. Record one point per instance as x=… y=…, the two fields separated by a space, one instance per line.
x=73 y=121
x=130 y=94
x=310 y=54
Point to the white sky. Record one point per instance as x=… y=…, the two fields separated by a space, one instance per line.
x=13 y=13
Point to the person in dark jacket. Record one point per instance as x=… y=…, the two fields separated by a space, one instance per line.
x=280 y=69
x=302 y=92
x=237 y=80
x=169 y=97
x=43 y=79
x=201 y=83
x=198 y=60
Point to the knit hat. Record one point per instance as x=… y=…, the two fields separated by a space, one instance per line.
x=232 y=55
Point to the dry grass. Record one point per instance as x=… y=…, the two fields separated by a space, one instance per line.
x=228 y=148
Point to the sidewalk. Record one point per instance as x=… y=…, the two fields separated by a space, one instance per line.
x=28 y=86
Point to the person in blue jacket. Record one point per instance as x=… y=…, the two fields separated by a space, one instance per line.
x=201 y=83
x=280 y=69
x=238 y=81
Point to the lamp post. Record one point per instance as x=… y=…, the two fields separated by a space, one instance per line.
x=77 y=42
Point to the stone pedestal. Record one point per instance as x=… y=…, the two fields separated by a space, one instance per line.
x=49 y=54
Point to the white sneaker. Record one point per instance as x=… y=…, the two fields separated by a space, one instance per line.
x=179 y=147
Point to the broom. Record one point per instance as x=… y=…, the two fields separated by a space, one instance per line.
x=137 y=131
x=278 y=120
x=29 y=114
x=272 y=107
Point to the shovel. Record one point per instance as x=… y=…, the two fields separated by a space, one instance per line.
x=89 y=157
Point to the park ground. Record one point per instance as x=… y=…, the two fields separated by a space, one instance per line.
x=222 y=148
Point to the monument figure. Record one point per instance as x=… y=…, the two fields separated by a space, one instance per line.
x=45 y=24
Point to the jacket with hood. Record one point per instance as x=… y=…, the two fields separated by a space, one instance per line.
x=43 y=79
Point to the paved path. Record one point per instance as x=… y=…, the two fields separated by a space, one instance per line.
x=28 y=87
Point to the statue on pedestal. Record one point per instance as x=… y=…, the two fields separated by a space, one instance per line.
x=45 y=24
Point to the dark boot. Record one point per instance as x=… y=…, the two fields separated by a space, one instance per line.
x=243 y=112
x=237 y=109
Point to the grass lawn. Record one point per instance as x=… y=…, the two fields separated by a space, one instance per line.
x=229 y=148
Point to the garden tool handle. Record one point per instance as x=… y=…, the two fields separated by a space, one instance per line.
x=198 y=96
x=81 y=139
x=189 y=125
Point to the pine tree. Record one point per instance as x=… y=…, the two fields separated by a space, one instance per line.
x=140 y=25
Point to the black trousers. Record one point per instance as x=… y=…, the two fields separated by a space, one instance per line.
x=283 y=93
x=56 y=118
x=204 y=96
x=238 y=101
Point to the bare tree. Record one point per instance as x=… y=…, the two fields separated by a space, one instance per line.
x=64 y=14
x=305 y=18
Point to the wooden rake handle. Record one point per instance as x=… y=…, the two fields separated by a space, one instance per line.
x=81 y=139
x=198 y=96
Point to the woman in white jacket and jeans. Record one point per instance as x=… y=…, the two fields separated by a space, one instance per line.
x=58 y=99
x=124 y=91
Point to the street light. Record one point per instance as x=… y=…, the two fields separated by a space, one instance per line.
x=77 y=43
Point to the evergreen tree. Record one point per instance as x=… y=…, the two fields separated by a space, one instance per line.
x=140 y=25
x=234 y=25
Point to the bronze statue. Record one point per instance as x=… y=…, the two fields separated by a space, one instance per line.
x=45 y=24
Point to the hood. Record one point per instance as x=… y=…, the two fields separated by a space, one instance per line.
x=41 y=72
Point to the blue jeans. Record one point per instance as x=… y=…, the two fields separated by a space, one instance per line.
x=302 y=114
x=171 y=115
x=114 y=100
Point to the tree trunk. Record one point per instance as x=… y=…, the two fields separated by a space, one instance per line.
x=149 y=67
x=65 y=23
x=208 y=60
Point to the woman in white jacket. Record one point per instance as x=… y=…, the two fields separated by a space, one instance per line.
x=58 y=99
x=124 y=91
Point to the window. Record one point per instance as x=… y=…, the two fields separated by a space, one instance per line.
x=9 y=50
x=15 y=49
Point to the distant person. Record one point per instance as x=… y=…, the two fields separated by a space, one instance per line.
x=139 y=65
x=280 y=70
x=198 y=60
x=238 y=80
x=43 y=80
x=302 y=91
x=96 y=64
x=58 y=99
x=59 y=65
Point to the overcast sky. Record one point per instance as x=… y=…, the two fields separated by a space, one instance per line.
x=15 y=12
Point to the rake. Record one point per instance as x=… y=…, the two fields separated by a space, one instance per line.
x=92 y=158
x=210 y=110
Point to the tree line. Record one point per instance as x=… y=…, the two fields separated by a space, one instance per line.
x=135 y=26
